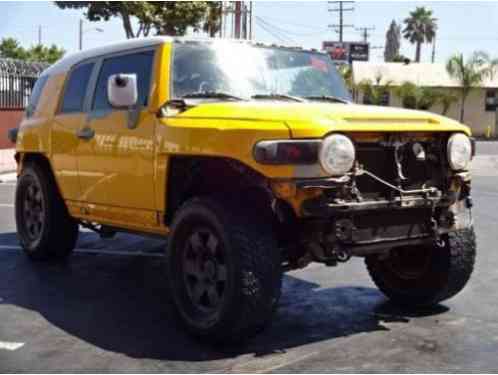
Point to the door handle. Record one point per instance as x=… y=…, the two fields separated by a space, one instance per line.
x=85 y=133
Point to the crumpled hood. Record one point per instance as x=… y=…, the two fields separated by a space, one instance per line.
x=317 y=119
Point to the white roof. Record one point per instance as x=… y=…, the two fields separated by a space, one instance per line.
x=68 y=61
x=72 y=59
x=421 y=74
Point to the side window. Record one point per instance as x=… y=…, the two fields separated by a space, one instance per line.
x=137 y=63
x=35 y=95
x=75 y=90
x=491 y=103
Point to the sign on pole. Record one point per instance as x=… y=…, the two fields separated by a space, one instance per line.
x=347 y=51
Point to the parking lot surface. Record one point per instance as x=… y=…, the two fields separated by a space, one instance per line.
x=107 y=309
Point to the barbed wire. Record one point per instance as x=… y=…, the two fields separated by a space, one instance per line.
x=10 y=66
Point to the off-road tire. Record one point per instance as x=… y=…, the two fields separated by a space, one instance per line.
x=59 y=231
x=448 y=272
x=252 y=263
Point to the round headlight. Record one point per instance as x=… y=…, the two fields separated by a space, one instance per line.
x=459 y=152
x=337 y=154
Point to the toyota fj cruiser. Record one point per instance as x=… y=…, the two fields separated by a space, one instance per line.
x=253 y=161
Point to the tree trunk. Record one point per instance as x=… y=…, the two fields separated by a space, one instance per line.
x=418 y=51
x=127 y=25
x=462 y=107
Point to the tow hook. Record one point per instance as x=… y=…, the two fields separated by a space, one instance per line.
x=469 y=202
x=437 y=237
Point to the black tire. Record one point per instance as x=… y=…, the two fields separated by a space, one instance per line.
x=245 y=251
x=443 y=273
x=44 y=227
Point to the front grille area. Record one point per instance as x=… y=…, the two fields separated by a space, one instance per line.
x=380 y=160
x=387 y=226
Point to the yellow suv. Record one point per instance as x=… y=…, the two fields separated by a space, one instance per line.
x=253 y=161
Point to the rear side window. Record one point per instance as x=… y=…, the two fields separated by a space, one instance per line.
x=137 y=63
x=35 y=95
x=74 y=94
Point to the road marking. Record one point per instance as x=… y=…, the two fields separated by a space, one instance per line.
x=5 y=345
x=6 y=205
x=92 y=251
x=286 y=363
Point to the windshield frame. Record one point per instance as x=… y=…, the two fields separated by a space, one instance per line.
x=249 y=44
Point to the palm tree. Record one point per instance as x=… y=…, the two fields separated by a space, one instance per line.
x=416 y=97
x=446 y=99
x=420 y=28
x=374 y=92
x=347 y=74
x=470 y=73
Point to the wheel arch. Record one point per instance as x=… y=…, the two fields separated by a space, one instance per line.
x=25 y=158
x=190 y=176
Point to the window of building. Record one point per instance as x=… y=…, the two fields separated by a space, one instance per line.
x=35 y=95
x=75 y=91
x=491 y=102
x=136 y=63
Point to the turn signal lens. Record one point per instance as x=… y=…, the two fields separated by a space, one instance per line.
x=287 y=152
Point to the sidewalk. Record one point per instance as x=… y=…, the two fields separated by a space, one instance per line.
x=7 y=162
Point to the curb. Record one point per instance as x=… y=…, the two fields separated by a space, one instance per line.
x=7 y=162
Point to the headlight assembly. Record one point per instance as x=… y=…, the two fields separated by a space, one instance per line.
x=337 y=154
x=287 y=152
x=459 y=152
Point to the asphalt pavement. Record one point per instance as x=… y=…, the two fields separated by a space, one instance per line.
x=107 y=309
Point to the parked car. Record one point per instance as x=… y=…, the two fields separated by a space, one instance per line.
x=253 y=161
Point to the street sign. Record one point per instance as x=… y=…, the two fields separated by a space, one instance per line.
x=347 y=51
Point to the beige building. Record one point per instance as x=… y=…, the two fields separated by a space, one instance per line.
x=481 y=104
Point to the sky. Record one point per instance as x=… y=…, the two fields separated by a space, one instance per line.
x=463 y=27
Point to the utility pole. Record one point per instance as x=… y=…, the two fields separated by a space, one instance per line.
x=250 y=20
x=364 y=32
x=81 y=35
x=341 y=9
x=39 y=35
x=238 y=16
x=433 y=59
x=238 y=19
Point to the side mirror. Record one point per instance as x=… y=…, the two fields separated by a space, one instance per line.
x=122 y=90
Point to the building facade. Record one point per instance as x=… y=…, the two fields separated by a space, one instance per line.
x=480 y=106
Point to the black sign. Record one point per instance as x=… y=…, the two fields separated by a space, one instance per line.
x=358 y=51
x=347 y=51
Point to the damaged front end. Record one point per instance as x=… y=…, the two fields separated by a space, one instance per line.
x=401 y=191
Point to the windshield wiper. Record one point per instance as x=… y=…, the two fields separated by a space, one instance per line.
x=212 y=95
x=277 y=96
x=327 y=98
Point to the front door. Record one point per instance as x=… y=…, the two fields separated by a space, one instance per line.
x=116 y=160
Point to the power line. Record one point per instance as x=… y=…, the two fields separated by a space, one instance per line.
x=291 y=23
x=365 y=32
x=269 y=31
x=280 y=34
x=288 y=32
x=341 y=11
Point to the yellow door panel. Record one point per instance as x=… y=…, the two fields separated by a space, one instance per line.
x=64 y=148
x=116 y=165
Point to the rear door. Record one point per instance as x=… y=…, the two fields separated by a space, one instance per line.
x=116 y=155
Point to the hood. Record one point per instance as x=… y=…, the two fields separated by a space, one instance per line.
x=309 y=120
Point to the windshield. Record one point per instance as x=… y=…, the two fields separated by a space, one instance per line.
x=247 y=71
